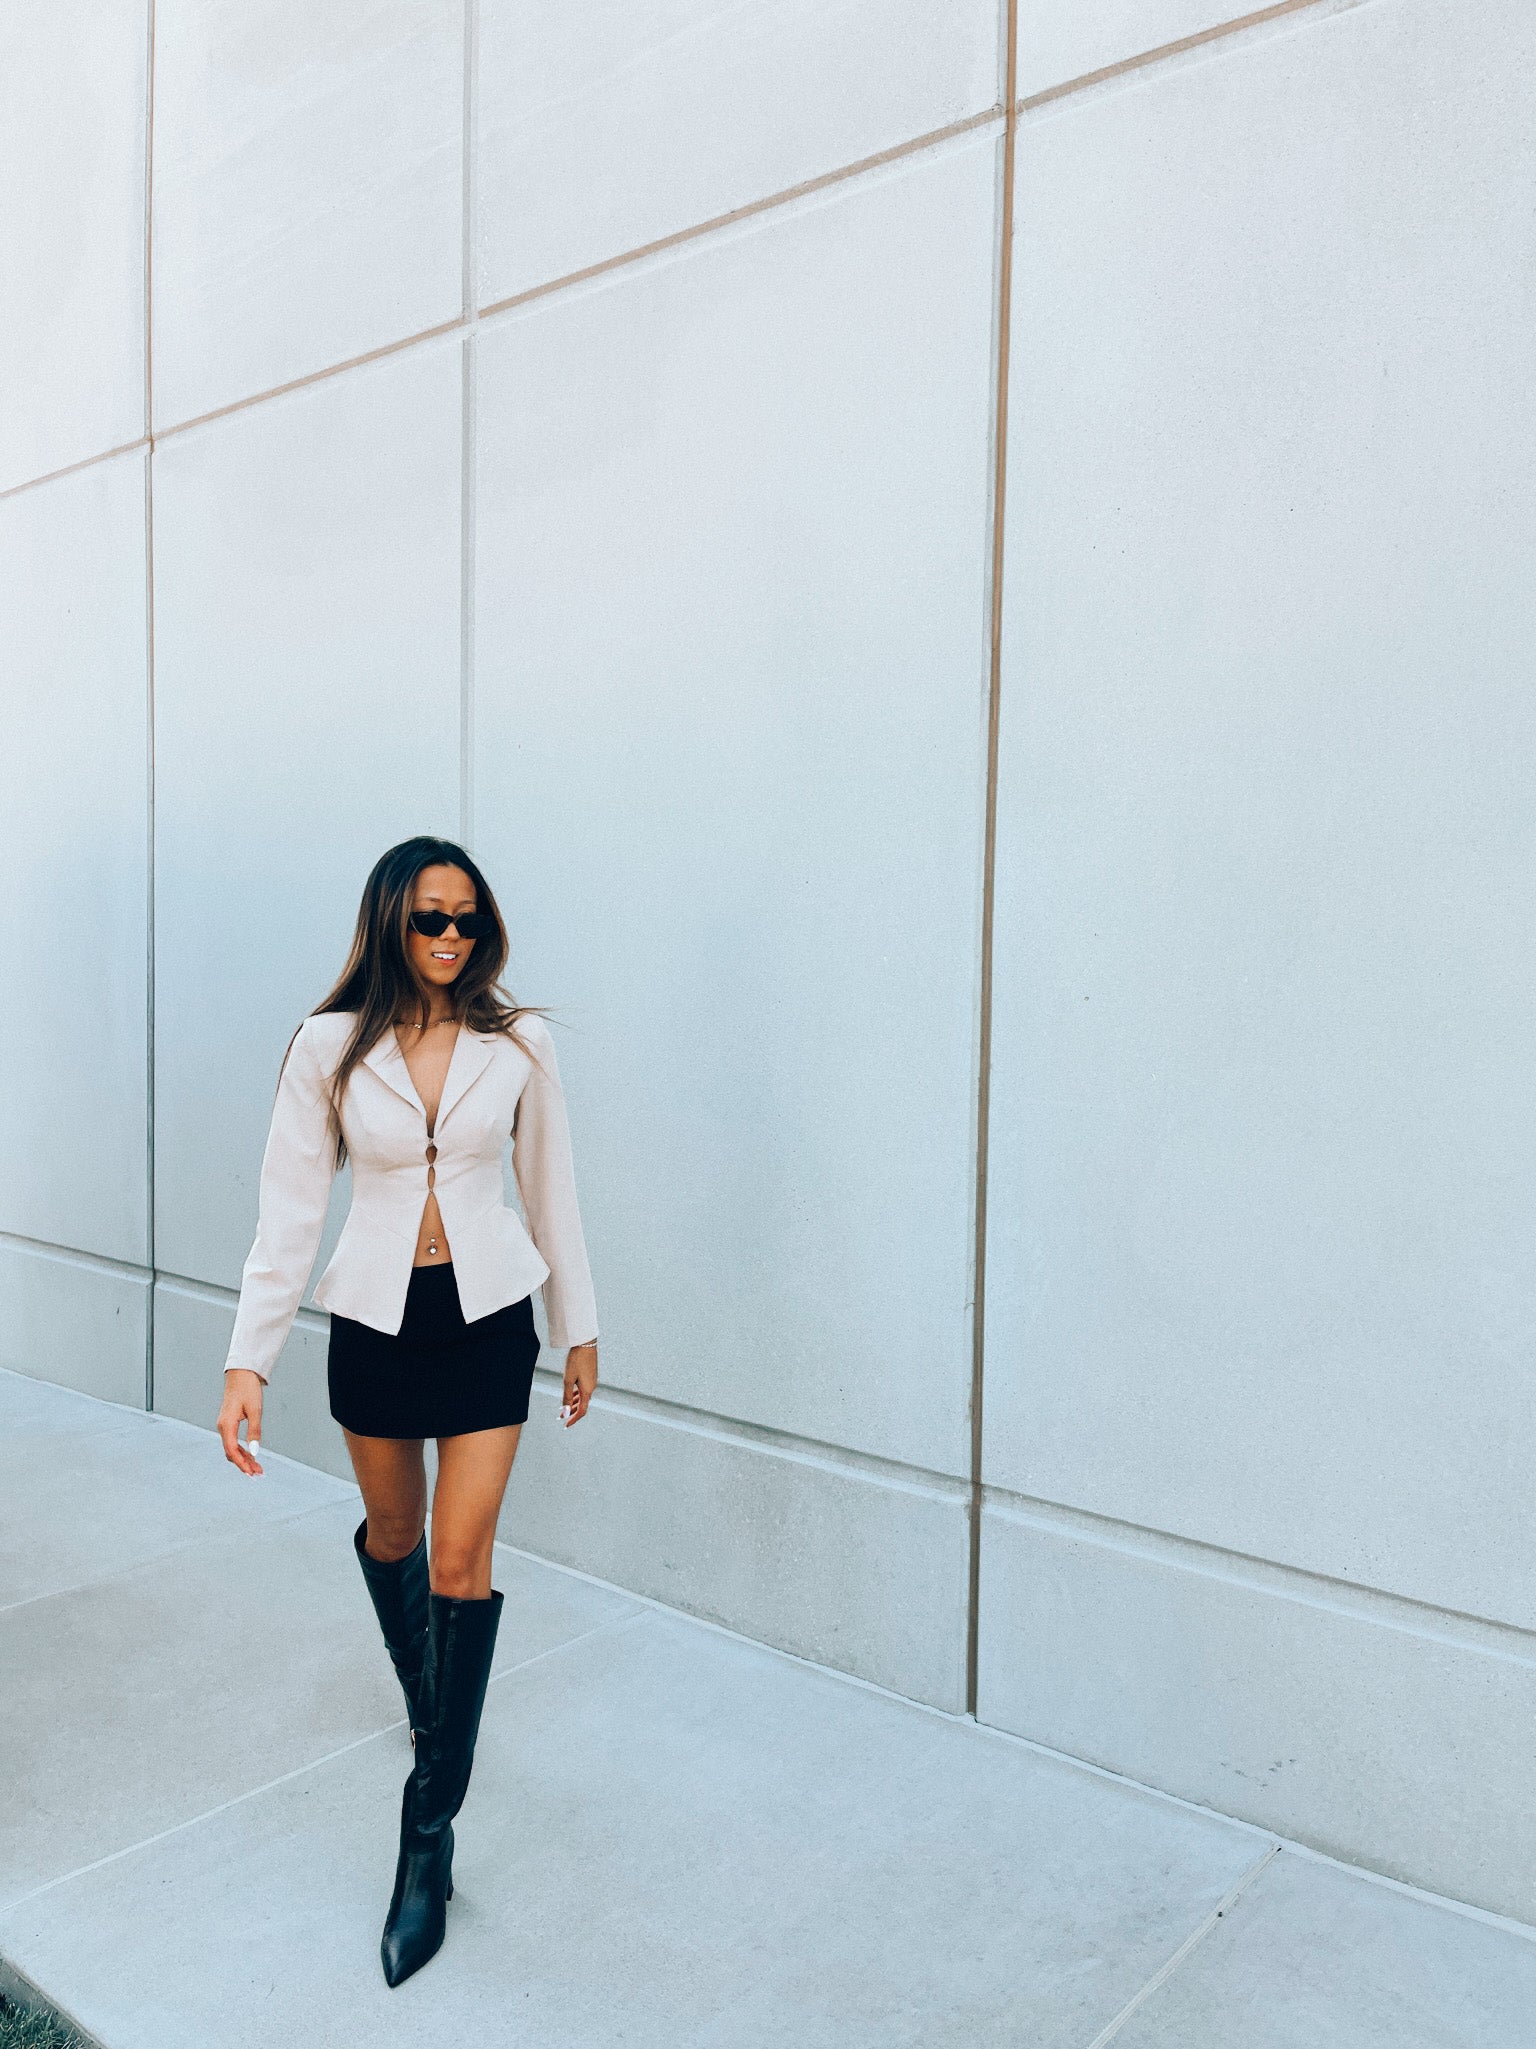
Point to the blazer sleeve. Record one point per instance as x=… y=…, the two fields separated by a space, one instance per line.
x=297 y=1170
x=541 y=1160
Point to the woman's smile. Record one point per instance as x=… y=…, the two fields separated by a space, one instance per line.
x=439 y=960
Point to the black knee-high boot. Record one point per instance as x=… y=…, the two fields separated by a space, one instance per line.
x=461 y=1639
x=399 y=1588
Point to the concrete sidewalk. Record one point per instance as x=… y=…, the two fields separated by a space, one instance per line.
x=673 y=1836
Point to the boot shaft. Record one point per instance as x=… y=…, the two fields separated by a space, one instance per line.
x=461 y=1639
x=399 y=1590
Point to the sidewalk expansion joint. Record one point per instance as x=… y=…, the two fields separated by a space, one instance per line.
x=299 y=1771
x=172 y=1550
x=1191 y=1941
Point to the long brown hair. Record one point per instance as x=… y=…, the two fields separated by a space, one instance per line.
x=379 y=983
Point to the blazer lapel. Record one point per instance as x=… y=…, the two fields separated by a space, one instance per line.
x=388 y=1063
x=472 y=1055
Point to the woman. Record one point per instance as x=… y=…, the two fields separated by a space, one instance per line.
x=417 y=1067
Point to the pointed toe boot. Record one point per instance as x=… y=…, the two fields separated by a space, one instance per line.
x=399 y=1590
x=461 y=1639
x=418 y=1909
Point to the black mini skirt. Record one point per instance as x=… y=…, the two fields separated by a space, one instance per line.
x=438 y=1376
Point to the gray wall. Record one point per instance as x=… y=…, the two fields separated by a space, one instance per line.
x=575 y=429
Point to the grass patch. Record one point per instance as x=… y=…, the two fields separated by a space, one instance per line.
x=19 y=2030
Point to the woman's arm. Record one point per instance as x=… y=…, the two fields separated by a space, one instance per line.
x=546 y=1180
x=297 y=1170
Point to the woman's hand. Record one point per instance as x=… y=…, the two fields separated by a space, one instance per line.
x=243 y=1391
x=580 y=1379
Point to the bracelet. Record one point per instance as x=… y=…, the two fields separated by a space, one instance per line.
x=586 y=1345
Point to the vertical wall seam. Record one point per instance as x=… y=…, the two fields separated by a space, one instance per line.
x=469 y=369
x=470 y=282
x=149 y=219
x=469 y=393
x=149 y=702
x=989 y=847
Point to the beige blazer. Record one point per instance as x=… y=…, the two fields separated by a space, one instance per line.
x=492 y=1091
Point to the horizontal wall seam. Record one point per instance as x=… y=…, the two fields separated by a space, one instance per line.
x=378 y=355
x=1462 y=1628
x=809 y=1451
x=70 y=469
x=206 y=1291
x=824 y=182
x=1126 y=67
x=316 y=1321
x=179 y=1547
x=72 y=1255
x=806 y=1451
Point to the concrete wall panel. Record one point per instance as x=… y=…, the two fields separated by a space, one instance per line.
x=859 y=1568
x=730 y=731
x=75 y=1321
x=307 y=705
x=308 y=188
x=192 y=1327
x=1060 y=40
x=1263 y=1112
x=74 y=794
x=72 y=112
x=607 y=126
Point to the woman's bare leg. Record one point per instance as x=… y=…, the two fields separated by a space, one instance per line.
x=392 y=1473
x=472 y=1474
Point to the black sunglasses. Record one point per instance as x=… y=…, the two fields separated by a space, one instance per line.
x=469 y=924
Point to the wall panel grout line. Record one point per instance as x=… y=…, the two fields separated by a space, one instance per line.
x=260 y=398
x=1127 y=66
x=149 y=922
x=74 y=1255
x=470 y=218
x=149 y=704
x=70 y=469
x=751 y=209
x=1172 y=1550
x=989 y=851
x=469 y=378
